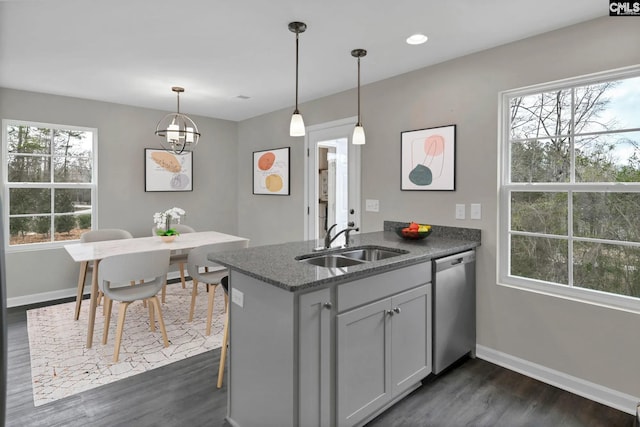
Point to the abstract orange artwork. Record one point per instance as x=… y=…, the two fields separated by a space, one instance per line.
x=271 y=171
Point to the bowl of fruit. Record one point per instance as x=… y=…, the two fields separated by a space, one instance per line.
x=414 y=231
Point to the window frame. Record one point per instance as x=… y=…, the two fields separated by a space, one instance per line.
x=93 y=185
x=505 y=187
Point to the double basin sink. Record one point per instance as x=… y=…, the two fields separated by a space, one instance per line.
x=350 y=256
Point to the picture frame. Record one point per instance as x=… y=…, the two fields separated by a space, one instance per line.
x=271 y=172
x=428 y=159
x=166 y=171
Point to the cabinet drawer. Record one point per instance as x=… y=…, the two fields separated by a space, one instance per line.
x=363 y=291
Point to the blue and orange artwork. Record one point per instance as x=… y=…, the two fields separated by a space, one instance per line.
x=428 y=159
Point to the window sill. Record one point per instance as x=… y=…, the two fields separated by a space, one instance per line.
x=586 y=296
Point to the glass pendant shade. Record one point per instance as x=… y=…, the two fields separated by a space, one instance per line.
x=296 y=128
x=358 y=135
x=177 y=132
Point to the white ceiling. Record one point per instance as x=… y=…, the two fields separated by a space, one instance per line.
x=132 y=51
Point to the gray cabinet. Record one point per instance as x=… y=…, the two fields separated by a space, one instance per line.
x=334 y=356
x=383 y=349
x=315 y=358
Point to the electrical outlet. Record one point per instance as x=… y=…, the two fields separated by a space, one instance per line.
x=476 y=211
x=372 y=205
x=460 y=211
x=237 y=297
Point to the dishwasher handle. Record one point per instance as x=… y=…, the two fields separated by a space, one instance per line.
x=452 y=261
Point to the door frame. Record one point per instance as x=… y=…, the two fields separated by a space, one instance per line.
x=326 y=130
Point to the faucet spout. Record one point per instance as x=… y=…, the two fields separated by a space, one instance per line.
x=328 y=239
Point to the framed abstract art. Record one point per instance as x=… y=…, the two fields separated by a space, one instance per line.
x=271 y=172
x=166 y=171
x=428 y=159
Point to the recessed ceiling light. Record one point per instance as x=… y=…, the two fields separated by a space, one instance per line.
x=417 y=39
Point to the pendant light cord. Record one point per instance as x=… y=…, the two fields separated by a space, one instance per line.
x=359 y=124
x=296 y=111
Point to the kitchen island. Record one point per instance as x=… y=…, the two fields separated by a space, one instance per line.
x=312 y=345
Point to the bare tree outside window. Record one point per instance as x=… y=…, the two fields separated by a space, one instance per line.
x=49 y=181
x=570 y=222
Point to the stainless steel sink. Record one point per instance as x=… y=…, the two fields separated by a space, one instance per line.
x=331 y=261
x=350 y=256
x=372 y=253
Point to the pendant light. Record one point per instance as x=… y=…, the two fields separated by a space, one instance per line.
x=177 y=131
x=296 y=128
x=358 y=131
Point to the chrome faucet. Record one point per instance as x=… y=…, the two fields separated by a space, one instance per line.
x=328 y=239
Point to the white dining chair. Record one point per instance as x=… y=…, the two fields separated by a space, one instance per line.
x=116 y=273
x=87 y=267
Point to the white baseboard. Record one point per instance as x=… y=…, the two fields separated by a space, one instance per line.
x=59 y=294
x=598 y=393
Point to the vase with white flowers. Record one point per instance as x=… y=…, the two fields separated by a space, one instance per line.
x=163 y=221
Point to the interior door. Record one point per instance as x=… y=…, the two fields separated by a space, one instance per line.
x=332 y=193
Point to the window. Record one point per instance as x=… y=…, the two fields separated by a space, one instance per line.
x=570 y=188
x=49 y=183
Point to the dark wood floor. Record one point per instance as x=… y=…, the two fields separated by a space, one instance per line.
x=475 y=393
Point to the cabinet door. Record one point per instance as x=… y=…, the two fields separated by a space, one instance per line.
x=363 y=377
x=410 y=337
x=315 y=359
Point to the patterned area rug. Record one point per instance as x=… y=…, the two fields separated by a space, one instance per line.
x=61 y=365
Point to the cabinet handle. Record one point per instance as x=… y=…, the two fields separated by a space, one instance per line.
x=397 y=310
x=390 y=312
x=327 y=305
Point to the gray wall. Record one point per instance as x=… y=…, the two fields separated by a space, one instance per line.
x=123 y=133
x=583 y=340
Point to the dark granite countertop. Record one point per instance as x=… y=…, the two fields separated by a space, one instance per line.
x=277 y=264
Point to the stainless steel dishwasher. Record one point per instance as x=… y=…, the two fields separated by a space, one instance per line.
x=454 y=308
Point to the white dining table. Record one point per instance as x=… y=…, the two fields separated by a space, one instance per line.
x=96 y=251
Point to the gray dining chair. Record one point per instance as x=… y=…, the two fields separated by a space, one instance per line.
x=87 y=267
x=196 y=261
x=178 y=258
x=116 y=273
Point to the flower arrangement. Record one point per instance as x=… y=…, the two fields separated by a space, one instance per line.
x=163 y=220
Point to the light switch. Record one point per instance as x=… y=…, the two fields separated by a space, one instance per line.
x=460 y=211
x=476 y=211
x=237 y=297
x=372 y=205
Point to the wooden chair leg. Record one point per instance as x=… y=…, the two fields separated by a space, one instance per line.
x=81 y=280
x=223 y=351
x=152 y=320
x=194 y=293
x=105 y=301
x=226 y=302
x=164 y=291
x=122 y=312
x=182 y=279
x=107 y=320
x=154 y=300
x=212 y=294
